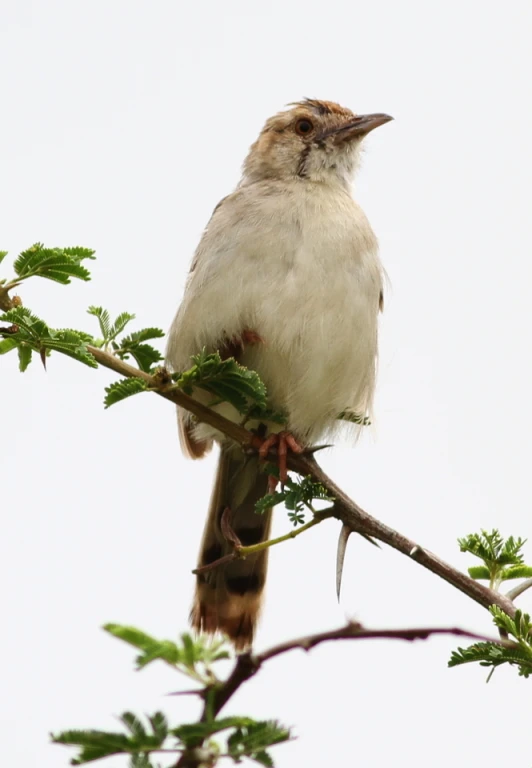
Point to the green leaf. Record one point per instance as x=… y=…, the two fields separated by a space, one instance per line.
x=119 y=390
x=296 y=495
x=185 y=657
x=143 y=335
x=296 y=518
x=269 y=501
x=189 y=650
x=263 y=758
x=7 y=345
x=519 y=627
x=151 y=648
x=251 y=740
x=33 y=332
x=94 y=744
x=479 y=572
x=159 y=725
x=491 y=655
x=24 y=357
x=502 y=558
x=144 y=355
x=97 y=744
x=79 y=253
x=134 y=726
x=103 y=319
x=517 y=572
x=120 y=323
x=59 y=264
x=71 y=343
x=354 y=418
x=192 y=733
x=225 y=379
x=494 y=655
x=27 y=321
x=3 y=254
x=493 y=549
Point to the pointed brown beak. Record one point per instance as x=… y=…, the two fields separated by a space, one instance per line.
x=360 y=126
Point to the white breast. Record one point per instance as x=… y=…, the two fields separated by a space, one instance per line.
x=297 y=264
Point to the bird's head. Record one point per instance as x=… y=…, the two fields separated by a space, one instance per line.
x=314 y=140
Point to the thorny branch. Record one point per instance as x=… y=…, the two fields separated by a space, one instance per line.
x=248 y=664
x=353 y=518
x=345 y=510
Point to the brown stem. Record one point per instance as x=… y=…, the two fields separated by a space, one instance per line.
x=237 y=433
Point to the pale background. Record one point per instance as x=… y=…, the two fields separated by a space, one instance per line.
x=123 y=124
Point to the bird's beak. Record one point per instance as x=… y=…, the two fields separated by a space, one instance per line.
x=360 y=126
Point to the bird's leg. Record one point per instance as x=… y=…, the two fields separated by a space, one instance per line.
x=284 y=441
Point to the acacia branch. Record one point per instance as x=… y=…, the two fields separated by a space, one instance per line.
x=247 y=665
x=519 y=589
x=345 y=509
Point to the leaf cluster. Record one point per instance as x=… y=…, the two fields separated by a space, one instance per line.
x=28 y=334
x=226 y=380
x=245 y=736
x=132 y=346
x=297 y=495
x=492 y=655
x=138 y=741
x=192 y=657
x=503 y=559
x=58 y=264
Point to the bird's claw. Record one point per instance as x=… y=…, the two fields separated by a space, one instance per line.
x=284 y=441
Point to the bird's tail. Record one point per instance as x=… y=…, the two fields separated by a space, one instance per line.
x=228 y=597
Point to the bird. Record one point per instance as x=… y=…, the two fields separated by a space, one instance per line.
x=287 y=279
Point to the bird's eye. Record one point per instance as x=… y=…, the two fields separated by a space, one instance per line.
x=303 y=127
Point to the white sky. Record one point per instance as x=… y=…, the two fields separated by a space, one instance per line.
x=123 y=124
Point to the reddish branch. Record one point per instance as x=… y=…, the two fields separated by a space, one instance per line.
x=248 y=664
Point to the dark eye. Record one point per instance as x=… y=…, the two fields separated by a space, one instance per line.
x=303 y=127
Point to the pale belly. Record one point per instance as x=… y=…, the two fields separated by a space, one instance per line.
x=320 y=346
x=305 y=275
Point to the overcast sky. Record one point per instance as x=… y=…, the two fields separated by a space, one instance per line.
x=123 y=124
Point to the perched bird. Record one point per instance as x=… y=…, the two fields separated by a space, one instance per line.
x=287 y=278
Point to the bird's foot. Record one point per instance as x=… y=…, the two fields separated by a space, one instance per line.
x=284 y=442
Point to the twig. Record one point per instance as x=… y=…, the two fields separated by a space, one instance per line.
x=248 y=664
x=241 y=551
x=252 y=549
x=346 y=510
x=519 y=589
x=237 y=433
